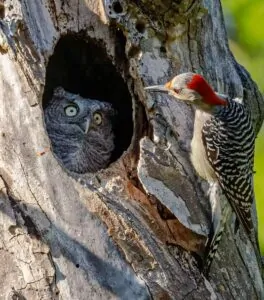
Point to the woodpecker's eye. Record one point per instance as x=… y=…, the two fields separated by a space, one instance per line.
x=71 y=110
x=97 y=118
x=177 y=91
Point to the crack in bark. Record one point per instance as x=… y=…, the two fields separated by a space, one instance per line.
x=32 y=282
x=29 y=187
x=192 y=6
x=17 y=235
x=189 y=293
x=54 y=13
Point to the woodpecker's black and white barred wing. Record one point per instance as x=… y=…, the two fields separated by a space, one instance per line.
x=229 y=141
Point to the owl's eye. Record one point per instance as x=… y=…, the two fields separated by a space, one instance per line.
x=97 y=118
x=71 y=110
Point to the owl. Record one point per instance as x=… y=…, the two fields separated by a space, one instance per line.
x=80 y=131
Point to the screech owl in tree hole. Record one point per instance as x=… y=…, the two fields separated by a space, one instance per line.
x=80 y=130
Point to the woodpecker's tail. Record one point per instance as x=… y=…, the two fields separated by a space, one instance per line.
x=213 y=243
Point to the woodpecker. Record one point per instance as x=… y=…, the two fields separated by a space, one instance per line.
x=222 y=148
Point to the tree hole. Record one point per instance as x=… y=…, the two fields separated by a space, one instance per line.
x=163 y=49
x=80 y=66
x=140 y=26
x=117 y=7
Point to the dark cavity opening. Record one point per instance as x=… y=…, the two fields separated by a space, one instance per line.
x=81 y=66
x=140 y=26
x=117 y=7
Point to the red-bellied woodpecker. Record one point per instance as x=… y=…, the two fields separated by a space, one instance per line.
x=222 y=147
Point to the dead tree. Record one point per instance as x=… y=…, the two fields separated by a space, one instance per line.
x=137 y=229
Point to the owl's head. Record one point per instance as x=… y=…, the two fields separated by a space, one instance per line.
x=80 y=130
x=82 y=115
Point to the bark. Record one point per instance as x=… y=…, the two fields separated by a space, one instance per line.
x=137 y=229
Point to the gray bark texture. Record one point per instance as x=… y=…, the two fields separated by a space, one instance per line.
x=135 y=230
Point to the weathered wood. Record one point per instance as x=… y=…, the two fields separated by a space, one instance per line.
x=136 y=229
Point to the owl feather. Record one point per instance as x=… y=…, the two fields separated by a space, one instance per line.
x=80 y=130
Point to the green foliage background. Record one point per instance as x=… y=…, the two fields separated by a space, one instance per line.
x=245 y=26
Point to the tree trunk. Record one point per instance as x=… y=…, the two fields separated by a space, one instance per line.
x=137 y=229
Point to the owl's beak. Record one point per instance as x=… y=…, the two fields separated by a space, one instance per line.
x=85 y=125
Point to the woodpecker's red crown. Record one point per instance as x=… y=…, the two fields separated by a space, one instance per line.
x=190 y=87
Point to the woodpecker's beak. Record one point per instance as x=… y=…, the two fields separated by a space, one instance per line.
x=158 y=88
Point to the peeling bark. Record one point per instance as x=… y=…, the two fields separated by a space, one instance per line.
x=135 y=230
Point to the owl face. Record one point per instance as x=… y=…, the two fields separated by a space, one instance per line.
x=82 y=115
x=80 y=131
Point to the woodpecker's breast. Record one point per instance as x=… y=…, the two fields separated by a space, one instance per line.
x=198 y=155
